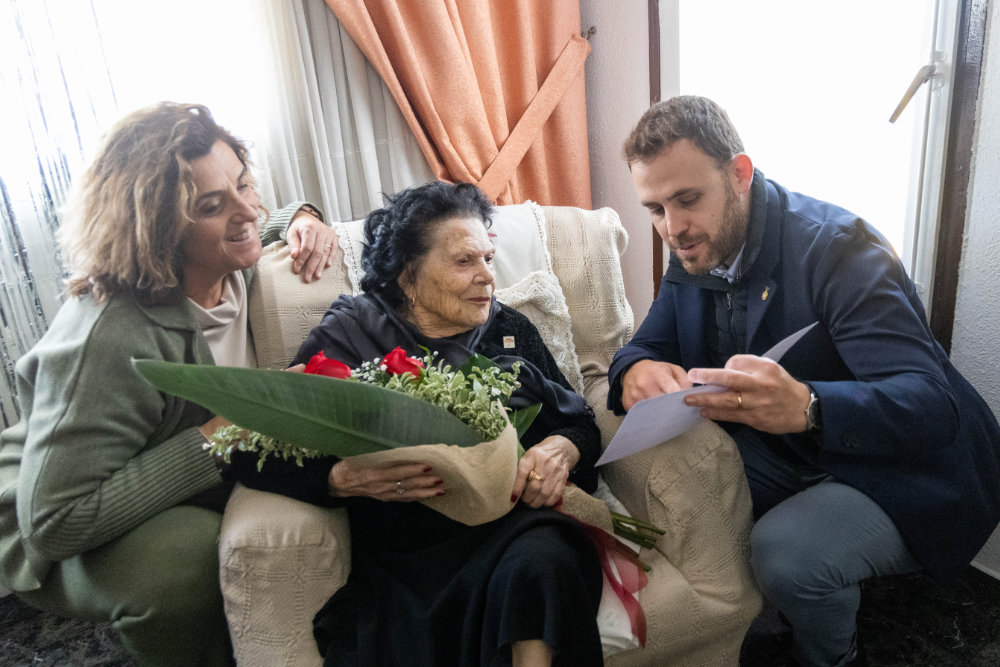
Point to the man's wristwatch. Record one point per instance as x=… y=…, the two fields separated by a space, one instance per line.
x=813 y=420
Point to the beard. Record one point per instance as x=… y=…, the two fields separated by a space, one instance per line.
x=721 y=247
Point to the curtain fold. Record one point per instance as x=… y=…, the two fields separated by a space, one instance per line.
x=335 y=134
x=470 y=76
x=322 y=124
x=54 y=100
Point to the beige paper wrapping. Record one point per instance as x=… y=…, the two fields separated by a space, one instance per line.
x=586 y=508
x=478 y=480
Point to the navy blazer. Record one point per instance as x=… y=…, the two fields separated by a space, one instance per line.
x=900 y=423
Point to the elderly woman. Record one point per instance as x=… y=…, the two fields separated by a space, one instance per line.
x=424 y=589
x=109 y=506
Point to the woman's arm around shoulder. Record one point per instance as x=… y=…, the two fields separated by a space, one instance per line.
x=310 y=240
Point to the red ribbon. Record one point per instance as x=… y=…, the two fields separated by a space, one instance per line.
x=631 y=574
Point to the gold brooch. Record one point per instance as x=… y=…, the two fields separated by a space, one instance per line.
x=763 y=297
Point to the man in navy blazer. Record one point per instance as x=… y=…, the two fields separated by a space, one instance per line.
x=867 y=453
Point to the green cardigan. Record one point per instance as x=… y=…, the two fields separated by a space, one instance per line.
x=99 y=450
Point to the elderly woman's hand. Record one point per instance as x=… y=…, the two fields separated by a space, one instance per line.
x=403 y=481
x=544 y=470
x=311 y=243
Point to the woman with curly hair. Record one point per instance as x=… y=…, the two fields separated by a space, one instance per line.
x=109 y=506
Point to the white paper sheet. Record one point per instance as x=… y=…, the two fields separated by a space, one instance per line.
x=663 y=417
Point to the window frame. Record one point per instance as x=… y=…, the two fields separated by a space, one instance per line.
x=957 y=167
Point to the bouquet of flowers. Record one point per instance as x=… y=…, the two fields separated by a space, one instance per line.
x=385 y=411
x=333 y=409
x=476 y=394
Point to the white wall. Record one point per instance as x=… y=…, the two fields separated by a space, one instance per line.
x=977 y=311
x=617 y=94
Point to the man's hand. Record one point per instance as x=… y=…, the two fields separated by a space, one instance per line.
x=760 y=393
x=311 y=243
x=648 y=378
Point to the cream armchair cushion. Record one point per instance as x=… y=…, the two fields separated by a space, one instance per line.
x=700 y=598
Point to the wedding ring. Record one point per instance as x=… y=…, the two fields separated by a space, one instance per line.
x=739 y=400
x=399 y=488
x=327 y=245
x=534 y=475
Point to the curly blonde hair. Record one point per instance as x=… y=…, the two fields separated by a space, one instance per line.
x=131 y=207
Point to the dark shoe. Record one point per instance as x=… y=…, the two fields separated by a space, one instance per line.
x=859 y=658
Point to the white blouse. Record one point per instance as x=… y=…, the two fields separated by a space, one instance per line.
x=225 y=325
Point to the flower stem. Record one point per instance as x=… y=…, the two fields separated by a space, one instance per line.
x=638 y=523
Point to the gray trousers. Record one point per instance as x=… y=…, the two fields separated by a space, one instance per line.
x=814 y=541
x=158 y=585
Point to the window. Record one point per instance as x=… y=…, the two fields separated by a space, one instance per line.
x=811 y=87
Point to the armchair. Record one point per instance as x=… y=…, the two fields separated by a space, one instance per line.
x=700 y=599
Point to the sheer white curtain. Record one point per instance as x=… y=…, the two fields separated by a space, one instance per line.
x=279 y=73
x=335 y=135
x=54 y=94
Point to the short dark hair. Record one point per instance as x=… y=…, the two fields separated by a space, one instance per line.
x=399 y=233
x=698 y=119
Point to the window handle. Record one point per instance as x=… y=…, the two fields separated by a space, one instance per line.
x=924 y=74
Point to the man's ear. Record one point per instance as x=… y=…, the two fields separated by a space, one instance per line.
x=741 y=171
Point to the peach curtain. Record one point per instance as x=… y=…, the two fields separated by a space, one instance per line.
x=492 y=89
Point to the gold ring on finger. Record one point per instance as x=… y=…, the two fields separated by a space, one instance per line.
x=739 y=400
x=534 y=475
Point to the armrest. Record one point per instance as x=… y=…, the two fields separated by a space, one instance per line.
x=280 y=560
x=694 y=488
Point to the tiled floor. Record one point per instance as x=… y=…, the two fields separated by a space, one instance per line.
x=906 y=620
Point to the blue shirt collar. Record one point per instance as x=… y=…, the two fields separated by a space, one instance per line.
x=731 y=273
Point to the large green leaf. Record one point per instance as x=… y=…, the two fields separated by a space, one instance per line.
x=521 y=419
x=341 y=417
x=477 y=361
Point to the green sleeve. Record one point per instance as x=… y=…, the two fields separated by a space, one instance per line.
x=103 y=450
x=275 y=226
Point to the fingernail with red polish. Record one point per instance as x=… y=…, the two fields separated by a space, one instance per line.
x=439 y=482
x=427 y=468
x=440 y=493
x=513 y=498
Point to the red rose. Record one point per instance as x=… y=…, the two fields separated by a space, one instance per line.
x=397 y=363
x=320 y=365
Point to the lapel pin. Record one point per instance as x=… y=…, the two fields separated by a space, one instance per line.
x=763 y=297
x=508 y=342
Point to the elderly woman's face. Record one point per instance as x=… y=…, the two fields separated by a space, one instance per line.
x=224 y=237
x=450 y=291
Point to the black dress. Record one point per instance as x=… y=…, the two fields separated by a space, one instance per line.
x=427 y=590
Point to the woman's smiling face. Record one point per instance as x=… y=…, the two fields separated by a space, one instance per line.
x=450 y=291
x=224 y=236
